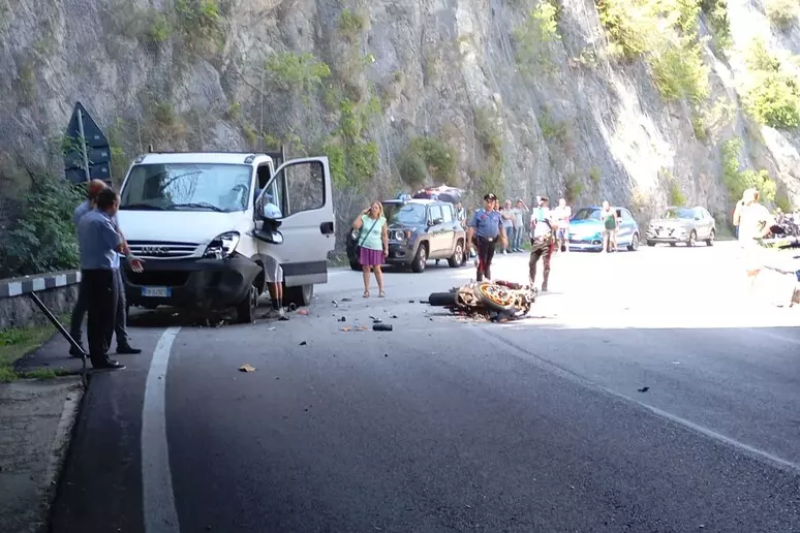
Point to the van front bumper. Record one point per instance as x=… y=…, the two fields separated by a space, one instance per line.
x=199 y=283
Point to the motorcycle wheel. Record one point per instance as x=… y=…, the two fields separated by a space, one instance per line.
x=494 y=297
x=443 y=299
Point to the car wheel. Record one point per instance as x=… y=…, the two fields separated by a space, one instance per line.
x=650 y=243
x=457 y=259
x=710 y=240
x=634 y=245
x=246 y=310
x=692 y=239
x=421 y=259
x=299 y=296
x=672 y=244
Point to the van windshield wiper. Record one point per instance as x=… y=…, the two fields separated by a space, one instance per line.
x=142 y=207
x=198 y=205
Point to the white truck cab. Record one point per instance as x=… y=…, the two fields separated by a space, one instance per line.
x=197 y=220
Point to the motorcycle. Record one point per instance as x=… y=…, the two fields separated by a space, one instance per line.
x=496 y=300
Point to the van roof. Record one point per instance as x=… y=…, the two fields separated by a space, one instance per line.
x=224 y=158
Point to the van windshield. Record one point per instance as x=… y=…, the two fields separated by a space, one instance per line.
x=224 y=188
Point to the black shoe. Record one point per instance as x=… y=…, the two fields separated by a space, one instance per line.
x=108 y=364
x=127 y=349
x=77 y=353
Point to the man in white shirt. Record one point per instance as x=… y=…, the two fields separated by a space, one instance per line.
x=754 y=224
x=272 y=269
x=562 y=215
x=542 y=241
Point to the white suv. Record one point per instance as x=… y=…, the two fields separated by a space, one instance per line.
x=197 y=221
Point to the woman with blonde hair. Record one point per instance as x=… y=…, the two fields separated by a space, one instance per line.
x=373 y=244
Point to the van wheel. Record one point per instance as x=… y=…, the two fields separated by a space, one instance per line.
x=299 y=296
x=421 y=259
x=457 y=259
x=246 y=310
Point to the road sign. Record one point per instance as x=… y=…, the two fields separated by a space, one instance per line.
x=84 y=161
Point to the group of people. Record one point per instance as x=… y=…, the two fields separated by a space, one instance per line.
x=101 y=294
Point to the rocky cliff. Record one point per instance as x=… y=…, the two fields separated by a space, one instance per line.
x=642 y=102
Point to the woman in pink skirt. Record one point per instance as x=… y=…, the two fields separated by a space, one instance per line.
x=373 y=244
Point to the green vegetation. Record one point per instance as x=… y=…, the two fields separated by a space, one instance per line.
x=490 y=137
x=301 y=73
x=676 y=196
x=17 y=343
x=200 y=22
x=716 y=12
x=594 y=175
x=551 y=128
x=40 y=236
x=351 y=25
x=782 y=13
x=737 y=181
x=159 y=29
x=706 y=120
x=573 y=188
x=783 y=202
x=772 y=95
x=533 y=37
x=353 y=157
x=665 y=33
x=428 y=156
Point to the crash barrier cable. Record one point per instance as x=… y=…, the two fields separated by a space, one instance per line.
x=63 y=332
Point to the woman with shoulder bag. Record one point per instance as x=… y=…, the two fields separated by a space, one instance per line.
x=373 y=244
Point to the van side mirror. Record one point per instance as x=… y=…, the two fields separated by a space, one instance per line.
x=269 y=236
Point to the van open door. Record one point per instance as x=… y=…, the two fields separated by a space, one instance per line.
x=300 y=196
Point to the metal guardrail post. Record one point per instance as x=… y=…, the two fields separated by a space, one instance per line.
x=63 y=332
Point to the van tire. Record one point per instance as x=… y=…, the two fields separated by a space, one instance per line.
x=299 y=296
x=246 y=310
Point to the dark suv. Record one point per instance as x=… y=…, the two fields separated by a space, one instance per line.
x=419 y=230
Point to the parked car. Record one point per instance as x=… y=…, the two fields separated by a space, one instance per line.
x=686 y=225
x=419 y=230
x=586 y=230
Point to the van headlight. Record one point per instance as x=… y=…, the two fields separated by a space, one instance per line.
x=222 y=246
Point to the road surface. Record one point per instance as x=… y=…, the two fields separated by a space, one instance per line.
x=644 y=394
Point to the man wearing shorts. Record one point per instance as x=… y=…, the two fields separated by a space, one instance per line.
x=272 y=269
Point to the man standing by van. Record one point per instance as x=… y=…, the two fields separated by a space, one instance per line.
x=486 y=225
x=273 y=270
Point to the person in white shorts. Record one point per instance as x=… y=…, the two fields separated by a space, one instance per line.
x=272 y=269
x=755 y=222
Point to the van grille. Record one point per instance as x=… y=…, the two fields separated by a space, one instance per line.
x=162 y=250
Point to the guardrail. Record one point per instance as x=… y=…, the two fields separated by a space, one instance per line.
x=57 y=290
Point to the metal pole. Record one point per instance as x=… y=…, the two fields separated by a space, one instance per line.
x=83 y=146
x=63 y=332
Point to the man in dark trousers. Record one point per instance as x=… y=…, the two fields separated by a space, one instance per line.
x=79 y=311
x=542 y=241
x=100 y=244
x=486 y=225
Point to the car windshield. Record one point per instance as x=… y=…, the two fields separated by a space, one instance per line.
x=404 y=213
x=587 y=213
x=222 y=188
x=678 y=213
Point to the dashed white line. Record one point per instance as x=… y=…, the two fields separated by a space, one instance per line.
x=160 y=514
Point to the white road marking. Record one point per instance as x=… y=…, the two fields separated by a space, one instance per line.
x=747 y=449
x=160 y=514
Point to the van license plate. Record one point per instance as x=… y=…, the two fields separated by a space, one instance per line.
x=157 y=292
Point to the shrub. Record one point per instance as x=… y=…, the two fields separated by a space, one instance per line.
x=783 y=202
x=782 y=13
x=573 y=188
x=629 y=25
x=199 y=21
x=533 y=36
x=488 y=133
x=679 y=71
x=42 y=237
x=412 y=168
x=737 y=181
x=772 y=96
x=438 y=158
x=676 y=196
x=299 y=72
x=716 y=12
x=350 y=25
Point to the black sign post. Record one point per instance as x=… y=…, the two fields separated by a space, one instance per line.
x=87 y=154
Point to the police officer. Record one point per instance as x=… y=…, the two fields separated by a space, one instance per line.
x=542 y=241
x=486 y=225
x=100 y=244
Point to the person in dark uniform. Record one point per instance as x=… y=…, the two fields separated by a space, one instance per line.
x=485 y=226
x=100 y=244
x=542 y=241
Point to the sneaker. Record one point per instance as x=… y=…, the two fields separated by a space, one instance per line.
x=282 y=315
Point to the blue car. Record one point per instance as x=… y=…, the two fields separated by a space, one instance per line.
x=586 y=230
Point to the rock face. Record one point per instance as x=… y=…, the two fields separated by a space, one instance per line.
x=503 y=102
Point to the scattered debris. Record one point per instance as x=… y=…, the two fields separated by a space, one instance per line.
x=273 y=328
x=347 y=299
x=386 y=355
x=292 y=307
x=343 y=319
x=381 y=327
x=303 y=343
x=246 y=368
x=643 y=389
x=394 y=316
x=302 y=311
x=411 y=301
x=346 y=328
x=335 y=303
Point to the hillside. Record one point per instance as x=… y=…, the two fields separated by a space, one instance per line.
x=643 y=102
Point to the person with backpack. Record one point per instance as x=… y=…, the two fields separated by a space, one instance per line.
x=373 y=244
x=486 y=226
x=608 y=216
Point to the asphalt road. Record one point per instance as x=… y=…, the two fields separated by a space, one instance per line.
x=448 y=425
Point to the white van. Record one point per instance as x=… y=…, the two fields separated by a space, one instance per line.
x=197 y=221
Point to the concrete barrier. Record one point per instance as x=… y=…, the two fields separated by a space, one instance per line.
x=58 y=291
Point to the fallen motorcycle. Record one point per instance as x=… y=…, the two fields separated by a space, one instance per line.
x=497 y=300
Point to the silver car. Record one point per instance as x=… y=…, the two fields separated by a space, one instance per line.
x=686 y=225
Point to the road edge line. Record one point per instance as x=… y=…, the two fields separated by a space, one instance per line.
x=751 y=451
x=158 y=498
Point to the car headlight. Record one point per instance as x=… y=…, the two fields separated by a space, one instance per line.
x=223 y=245
x=399 y=235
